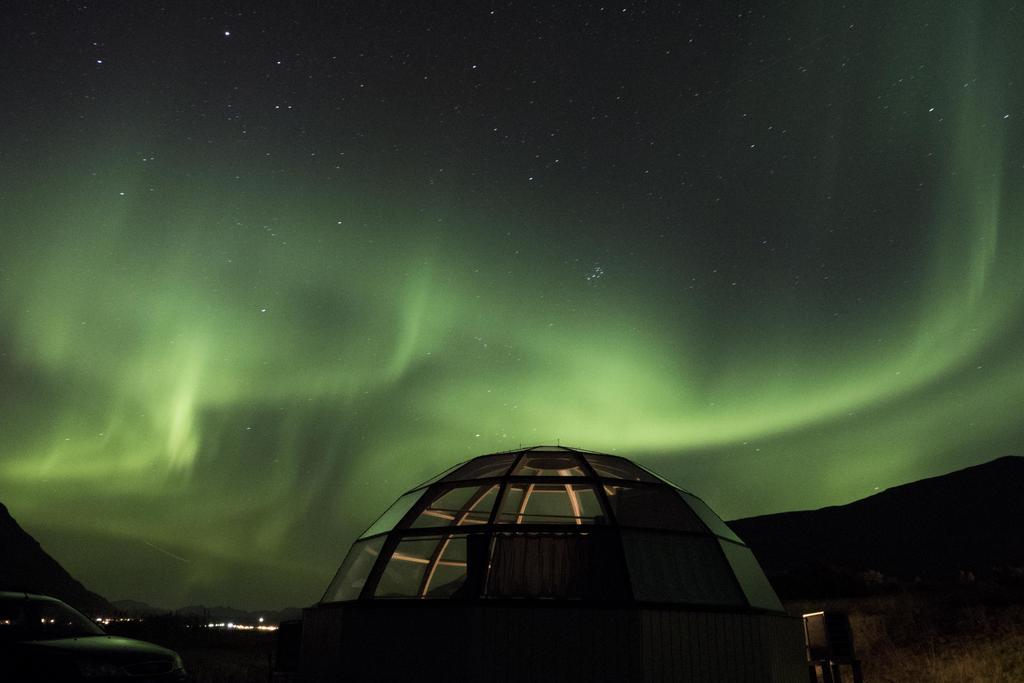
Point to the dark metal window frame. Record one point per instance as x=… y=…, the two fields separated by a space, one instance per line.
x=430 y=492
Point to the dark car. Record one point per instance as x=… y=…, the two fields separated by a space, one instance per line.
x=42 y=639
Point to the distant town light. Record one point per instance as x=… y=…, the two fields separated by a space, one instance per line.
x=232 y=626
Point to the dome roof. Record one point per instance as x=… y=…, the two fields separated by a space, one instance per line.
x=555 y=523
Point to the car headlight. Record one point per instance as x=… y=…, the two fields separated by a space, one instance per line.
x=90 y=669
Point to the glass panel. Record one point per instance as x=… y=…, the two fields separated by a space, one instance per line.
x=652 y=507
x=708 y=516
x=612 y=467
x=556 y=565
x=549 y=464
x=351 y=576
x=657 y=476
x=670 y=568
x=425 y=567
x=438 y=477
x=458 y=506
x=755 y=584
x=481 y=468
x=550 y=504
x=393 y=515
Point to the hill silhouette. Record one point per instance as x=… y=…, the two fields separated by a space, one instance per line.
x=957 y=526
x=136 y=608
x=27 y=567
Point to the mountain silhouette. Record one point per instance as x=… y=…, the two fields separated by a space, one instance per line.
x=27 y=567
x=136 y=608
x=958 y=526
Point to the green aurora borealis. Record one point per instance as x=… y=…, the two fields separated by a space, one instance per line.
x=253 y=286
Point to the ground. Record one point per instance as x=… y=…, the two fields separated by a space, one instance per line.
x=967 y=634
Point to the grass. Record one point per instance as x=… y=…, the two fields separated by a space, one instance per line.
x=966 y=635
x=210 y=656
x=220 y=665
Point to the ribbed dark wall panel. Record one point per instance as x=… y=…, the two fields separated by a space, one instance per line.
x=527 y=643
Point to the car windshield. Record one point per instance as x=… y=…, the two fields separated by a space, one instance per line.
x=28 y=619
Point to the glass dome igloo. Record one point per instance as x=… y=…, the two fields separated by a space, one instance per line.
x=552 y=523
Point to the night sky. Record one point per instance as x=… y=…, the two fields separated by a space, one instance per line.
x=261 y=269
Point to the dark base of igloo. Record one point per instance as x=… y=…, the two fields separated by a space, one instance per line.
x=547 y=641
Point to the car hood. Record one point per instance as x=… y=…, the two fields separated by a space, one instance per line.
x=110 y=648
